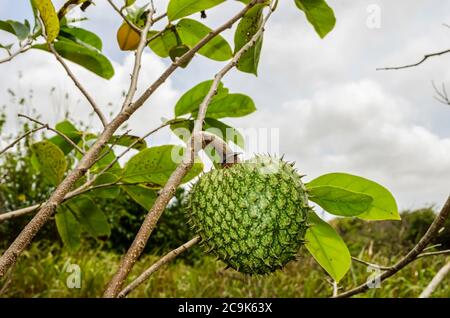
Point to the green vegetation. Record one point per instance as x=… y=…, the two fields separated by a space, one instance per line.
x=41 y=273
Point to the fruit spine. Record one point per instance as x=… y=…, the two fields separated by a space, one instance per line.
x=252 y=215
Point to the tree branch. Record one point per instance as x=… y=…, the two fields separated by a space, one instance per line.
x=435 y=281
x=79 y=86
x=426 y=57
x=194 y=145
x=85 y=187
x=432 y=231
x=10 y=256
x=381 y=267
x=22 y=49
x=442 y=96
x=443 y=252
x=17 y=140
x=156 y=266
x=119 y=11
x=137 y=61
x=46 y=126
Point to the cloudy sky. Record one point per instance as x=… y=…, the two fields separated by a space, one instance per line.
x=333 y=110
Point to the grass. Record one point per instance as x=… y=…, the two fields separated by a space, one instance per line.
x=41 y=272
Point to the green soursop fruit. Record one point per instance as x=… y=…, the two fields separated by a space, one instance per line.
x=251 y=215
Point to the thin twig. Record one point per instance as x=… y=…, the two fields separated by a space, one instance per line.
x=22 y=49
x=137 y=62
x=156 y=266
x=381 y=267
x=86 y=186
x=61 y=134
x=443 y=252
x=437 y=279
x=78 y=84
x=17 y=140
x=124 y=17
x=432 y=231
x=426 y=57
x=194 y=145
x=442 y=96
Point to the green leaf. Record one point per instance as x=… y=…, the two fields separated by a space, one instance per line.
x=49 y=160
x=82 y=37
x=183 y=129
x=129 y=2
x=191 y=100
x=162 y=44
x=232 y=105
x=155 y=165
x=68 y=228
x=247 y=28
x=181 y=8
x=128 y=140
x=191 y=32
x=20 y=30
x=327 y=247
x=142 y=195
x=319 y=14
x=111 y=192
x=49 y=18
x=383 y=206
x=339 y=201
x=107 y=157
x=224 y=131
x=90 y=216
x=90 y=59
x=68 y=129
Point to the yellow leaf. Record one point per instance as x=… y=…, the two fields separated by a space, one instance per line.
x=49 y=17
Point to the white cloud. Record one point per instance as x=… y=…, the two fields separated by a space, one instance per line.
x=359 y=128
x=39 y=72
x=334 y=111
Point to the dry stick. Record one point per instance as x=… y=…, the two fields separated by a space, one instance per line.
x=79 y=86
x=426 y=57
x=29 y=132
x=131 y=24
x=147 y=227
x=10 y=256
x=411 y=256
x=61 y=134
x=156 y=266
x=435 y=281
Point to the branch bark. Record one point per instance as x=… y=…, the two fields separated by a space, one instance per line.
x=426 y=57
x=194 y=145
x=432 y=231
x=156 y=266
x=79 y=86
x=10 y=256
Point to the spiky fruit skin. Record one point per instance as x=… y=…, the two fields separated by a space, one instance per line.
x=252 y=215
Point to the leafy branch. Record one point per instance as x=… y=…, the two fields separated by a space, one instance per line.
x=411 y=256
